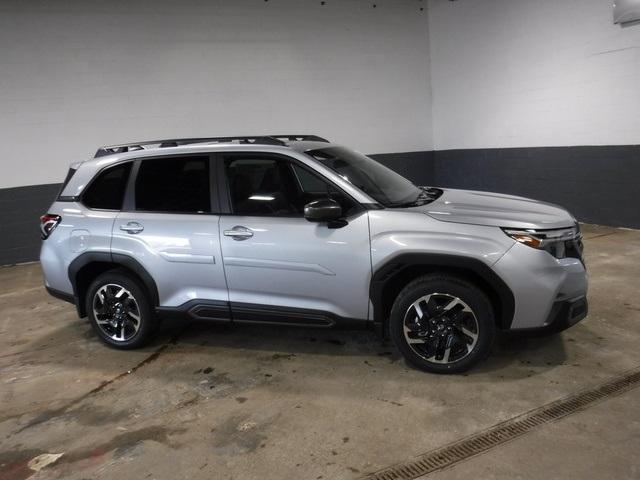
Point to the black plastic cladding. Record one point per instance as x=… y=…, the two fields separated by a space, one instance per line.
x=402 y=262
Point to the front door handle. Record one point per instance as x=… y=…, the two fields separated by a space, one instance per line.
x=132 y=227
x=238 y=233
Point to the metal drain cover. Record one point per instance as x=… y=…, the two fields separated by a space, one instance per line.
x=502 y=432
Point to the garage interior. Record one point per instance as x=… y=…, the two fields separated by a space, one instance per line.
x=537 y=98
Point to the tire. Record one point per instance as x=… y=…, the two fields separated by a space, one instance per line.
x=114 y=300
x=436 y=312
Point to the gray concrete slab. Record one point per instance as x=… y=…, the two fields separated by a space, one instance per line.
x=601 y=442
x=258 y=402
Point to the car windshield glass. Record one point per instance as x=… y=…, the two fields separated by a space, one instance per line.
x=380 y=183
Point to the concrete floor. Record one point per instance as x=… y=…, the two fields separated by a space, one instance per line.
x=209 y=401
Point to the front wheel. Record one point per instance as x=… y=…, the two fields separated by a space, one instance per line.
x=119 y=311
x=442 y=324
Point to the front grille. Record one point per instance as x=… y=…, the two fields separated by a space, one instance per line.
x=574 y=248
x=566 y=249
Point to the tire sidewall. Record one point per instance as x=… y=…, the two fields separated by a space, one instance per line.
x=462 y=289
x=147 y=320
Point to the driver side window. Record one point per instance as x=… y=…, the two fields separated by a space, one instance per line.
x=270 y=186
x=261 y=187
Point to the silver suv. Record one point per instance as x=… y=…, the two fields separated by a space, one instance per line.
x=294 y=230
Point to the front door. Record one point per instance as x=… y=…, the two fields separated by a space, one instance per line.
x=280 y=267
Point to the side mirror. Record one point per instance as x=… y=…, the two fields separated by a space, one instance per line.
x=323 y=210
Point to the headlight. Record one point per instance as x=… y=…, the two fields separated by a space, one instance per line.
x=561 y=242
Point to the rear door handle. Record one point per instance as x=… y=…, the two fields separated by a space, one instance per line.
x=132 y=227
x=238 y=233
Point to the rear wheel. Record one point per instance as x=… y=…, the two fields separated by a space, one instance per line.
x=120 y=311
x=442 y=324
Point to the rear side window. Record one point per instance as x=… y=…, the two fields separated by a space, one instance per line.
x=107 y=190
x=174 y=184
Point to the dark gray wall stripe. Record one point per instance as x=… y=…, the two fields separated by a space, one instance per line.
x=597 y=184
x=416 y=166
x=20 y=210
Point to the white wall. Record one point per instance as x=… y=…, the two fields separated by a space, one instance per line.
x=526 y=73
x=75 y=75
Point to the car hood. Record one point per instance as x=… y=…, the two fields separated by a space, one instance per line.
x=495 y=209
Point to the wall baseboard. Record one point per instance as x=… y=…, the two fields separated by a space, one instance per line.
x=597 y=184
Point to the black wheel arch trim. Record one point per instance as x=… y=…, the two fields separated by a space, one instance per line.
x=399 y=264
x=60 y=295
x=117 y=260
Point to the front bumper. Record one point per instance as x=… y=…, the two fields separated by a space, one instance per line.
x=565 y=314
x=546 y=290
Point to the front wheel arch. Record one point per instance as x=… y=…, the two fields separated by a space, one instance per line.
x=389 y=279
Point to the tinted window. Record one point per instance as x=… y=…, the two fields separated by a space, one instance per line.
x=176 y=184
x=377 y=181
x=309 y=182
x=107 y=190
x=276 y=187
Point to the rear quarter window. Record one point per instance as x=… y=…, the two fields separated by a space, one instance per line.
x=106 y=191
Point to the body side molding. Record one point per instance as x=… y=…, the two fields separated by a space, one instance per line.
x=278 y=265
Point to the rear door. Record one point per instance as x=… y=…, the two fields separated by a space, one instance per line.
x=169 y=224
x=280 y=267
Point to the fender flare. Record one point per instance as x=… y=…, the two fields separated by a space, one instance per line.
x=116 y=259
x=397 y=265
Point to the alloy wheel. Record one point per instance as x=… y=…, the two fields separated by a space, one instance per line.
x=116 y=312
x=441 y=328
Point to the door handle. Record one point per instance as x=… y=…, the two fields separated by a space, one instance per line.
x=132 y=227
x=238 y=233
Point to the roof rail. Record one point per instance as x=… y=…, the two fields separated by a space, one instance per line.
x=174 y=142
x=301 y=138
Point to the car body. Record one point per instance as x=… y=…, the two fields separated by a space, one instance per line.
x=273 y=230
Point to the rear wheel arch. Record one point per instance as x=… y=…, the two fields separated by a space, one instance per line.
x=395 y=274
x=87 y=266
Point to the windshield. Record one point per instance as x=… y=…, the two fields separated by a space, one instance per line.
x=380 y=183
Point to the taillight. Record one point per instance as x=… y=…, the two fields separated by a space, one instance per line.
x=48 y=224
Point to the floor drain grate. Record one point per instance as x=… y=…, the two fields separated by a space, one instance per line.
x=480 y=442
